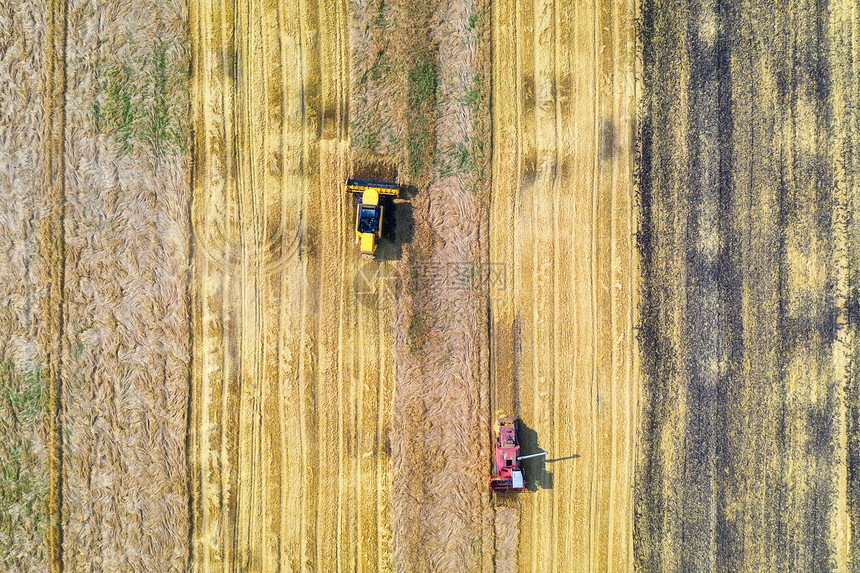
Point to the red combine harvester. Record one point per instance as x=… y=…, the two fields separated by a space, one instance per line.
x=508 y=467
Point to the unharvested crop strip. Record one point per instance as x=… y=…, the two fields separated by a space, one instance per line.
x=53 y=245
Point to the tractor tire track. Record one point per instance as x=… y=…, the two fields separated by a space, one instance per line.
x=53 y=245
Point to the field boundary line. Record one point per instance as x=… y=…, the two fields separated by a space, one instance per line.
x=53 y=250
x=194 y=413
x=558 y=262
x=633 y=297
x=592 y=560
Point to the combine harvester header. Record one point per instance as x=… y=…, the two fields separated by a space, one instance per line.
x=360 y=186
x=368 y=216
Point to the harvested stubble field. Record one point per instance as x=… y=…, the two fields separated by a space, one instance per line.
x=632 y=225
x=292 y=376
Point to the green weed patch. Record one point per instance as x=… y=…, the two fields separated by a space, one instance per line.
x=142 y=102
x=23 y=487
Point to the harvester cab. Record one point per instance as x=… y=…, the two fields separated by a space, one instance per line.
x=368 y=216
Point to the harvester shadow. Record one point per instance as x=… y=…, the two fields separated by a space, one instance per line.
x=398 y=224
x=537 y=476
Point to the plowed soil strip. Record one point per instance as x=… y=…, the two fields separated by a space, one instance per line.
x=747 y=178
x=292 y=377
x=561 y=220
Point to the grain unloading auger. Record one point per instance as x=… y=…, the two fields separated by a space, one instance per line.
x=508 y=472
x=368 y=215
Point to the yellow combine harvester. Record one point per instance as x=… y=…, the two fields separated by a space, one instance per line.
x=368 y=215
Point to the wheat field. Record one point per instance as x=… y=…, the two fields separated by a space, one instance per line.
x=631 y=225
